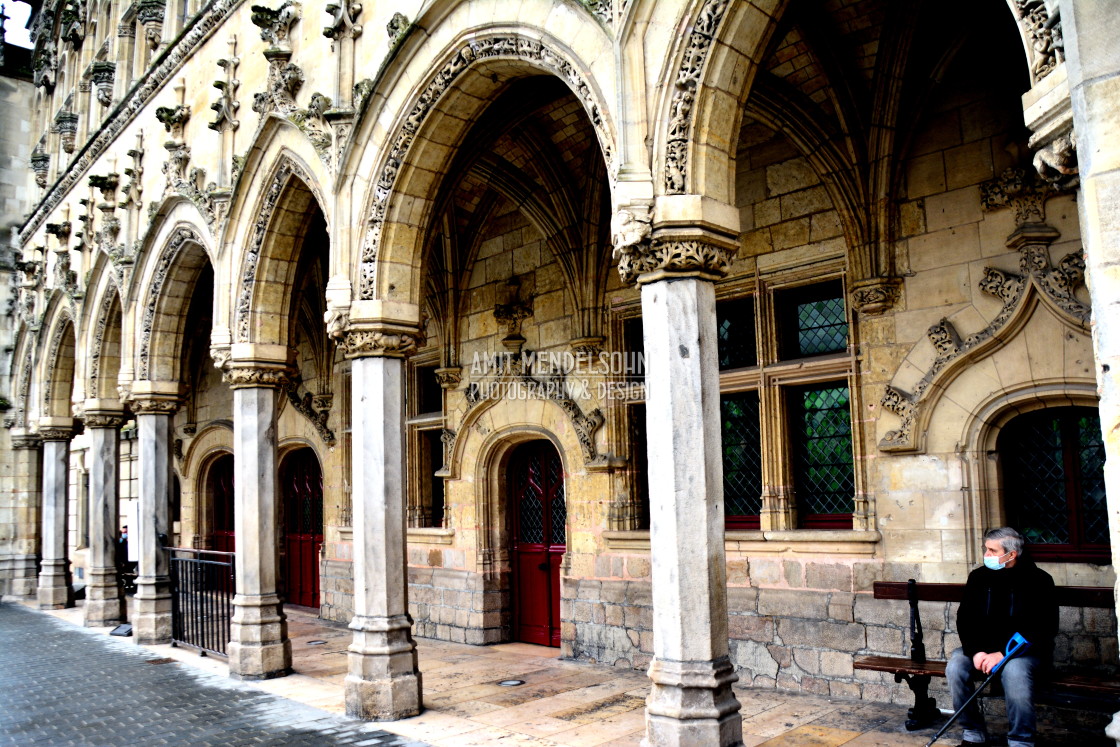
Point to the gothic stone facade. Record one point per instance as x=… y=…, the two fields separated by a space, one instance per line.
x=406 y=253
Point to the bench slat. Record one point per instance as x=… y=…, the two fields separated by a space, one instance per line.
x=897 y=664
x=1073 y=682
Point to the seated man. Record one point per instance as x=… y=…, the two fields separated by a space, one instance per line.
x=1010 y=594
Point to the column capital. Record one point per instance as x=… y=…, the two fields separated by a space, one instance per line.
x=56 y=429
x=256 y=376
x=646 y=255
x=153 y=405
x=381 y=340
x=873 y=296
x=104 y=418
x=22 y=439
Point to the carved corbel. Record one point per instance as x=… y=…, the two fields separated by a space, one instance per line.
x=1021 y=190
x=41 y=163
x=103 y=73
x=449 y=377
x=66 y=124
x=150 y=14
x=876 y=295
x=510 y=314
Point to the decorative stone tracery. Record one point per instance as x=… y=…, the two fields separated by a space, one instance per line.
x=684 y=94
x=179 y=238
x=483 y=47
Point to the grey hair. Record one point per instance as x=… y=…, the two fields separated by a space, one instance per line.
x=1008 y=538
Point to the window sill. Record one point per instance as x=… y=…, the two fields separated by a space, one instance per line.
x=809 y=541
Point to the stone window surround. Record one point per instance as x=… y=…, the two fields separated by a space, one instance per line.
x=417 y=424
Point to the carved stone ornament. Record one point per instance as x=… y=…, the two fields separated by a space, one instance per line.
x=67 y=125
x=227 y=105
x=287 y=170
x=60 y=231
x=40 y=164
x=684 y=94
x=449 y=376
x=1057 y=286
x=1056 y=161
x=276 y=24
x=396 y=27
x=150 y=14
x=44 y=60
x=316 y=409
x=103 y=74
x=221 y=355
x=72 y=22
x=153 y=405
x=26 y=441
x=690 y=258
x=245 y=377
x=103 y=420
x=174 y=119
x=1021 y=190
x=56 y=434
x=97 y=348
x=135 y=102
x=178 y=240
x=344 y=20
x=877 y=295
x=1043 y=35
x=65 y=278
x=482 y=47
x=385 y=343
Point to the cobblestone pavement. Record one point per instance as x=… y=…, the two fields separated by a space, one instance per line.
x=63 y=685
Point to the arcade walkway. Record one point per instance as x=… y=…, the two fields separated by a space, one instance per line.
x=560 y=704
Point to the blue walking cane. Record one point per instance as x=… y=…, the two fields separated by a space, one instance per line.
x=1016 y=646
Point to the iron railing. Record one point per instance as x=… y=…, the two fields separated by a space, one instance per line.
x=202 y=589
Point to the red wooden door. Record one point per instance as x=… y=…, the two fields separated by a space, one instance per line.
x=539 y=515
x=301 y=481
x=221 y=493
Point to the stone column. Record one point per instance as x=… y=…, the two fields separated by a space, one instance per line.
x=104 y=597
x=55 y=589
x=152 y=611
x=259 y=647
x=27 y=479
x=1090 y=29
x=383 y=682
x=691 y=701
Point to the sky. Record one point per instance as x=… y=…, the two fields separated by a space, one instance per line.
x=14 y=28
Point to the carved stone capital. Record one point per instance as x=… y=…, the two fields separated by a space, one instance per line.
x=275 y=24
x=103 y=74
x=255 y=377
x=876 y=295
x=153 y=405
x=449 y=377
x=56 y=433
x=26 y=441
x=104 y=419
x=388 y=341
x=660 y=259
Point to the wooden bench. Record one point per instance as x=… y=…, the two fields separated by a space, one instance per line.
x=1064 y=688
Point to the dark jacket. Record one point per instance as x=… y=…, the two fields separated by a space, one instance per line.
x=997 y=604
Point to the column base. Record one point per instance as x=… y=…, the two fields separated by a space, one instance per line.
x=54 y=590
x=104 y=603
x=24 y=579
x=259 y=648
x=152 y=623
x=691 y=702
x=384 y=681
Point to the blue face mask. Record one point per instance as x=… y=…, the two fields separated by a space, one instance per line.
x=992 y=561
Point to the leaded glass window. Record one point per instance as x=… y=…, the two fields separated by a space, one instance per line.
x=742 y=459
x=813 y=320
x=824 y=478
x=1053 y=483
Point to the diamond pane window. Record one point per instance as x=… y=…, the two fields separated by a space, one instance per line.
x=824 y=478
x=735 y=327
x=531 y=510
x=557 y=507
x=1053 y=483
x=813 y=320
x=742 y=459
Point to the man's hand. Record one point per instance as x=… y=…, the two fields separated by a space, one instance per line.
x=987 y=662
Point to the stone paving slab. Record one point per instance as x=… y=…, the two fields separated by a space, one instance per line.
x=65 y=685
x=561 y=704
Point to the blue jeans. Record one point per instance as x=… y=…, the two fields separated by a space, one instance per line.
x=1018 y=677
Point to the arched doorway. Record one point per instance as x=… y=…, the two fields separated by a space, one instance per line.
x=220 y=489
x=539 y=514
x=301 y=486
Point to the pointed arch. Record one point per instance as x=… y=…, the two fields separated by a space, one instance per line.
x=103 y=322
x=58 y=359
x=400 y=200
